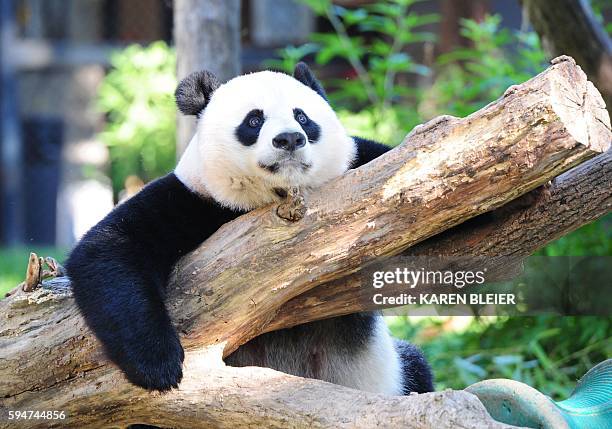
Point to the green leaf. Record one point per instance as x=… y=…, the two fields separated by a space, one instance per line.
x=320 y=7
x=137 y=96
x=353 y=17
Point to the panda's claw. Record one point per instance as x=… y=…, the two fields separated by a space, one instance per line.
x=160 y=369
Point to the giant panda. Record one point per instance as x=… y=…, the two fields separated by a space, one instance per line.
x=257 y=135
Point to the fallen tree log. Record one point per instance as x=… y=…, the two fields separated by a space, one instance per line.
x=229 y=289
x=505 y=236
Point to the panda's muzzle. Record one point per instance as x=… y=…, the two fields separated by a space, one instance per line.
x=289 y=141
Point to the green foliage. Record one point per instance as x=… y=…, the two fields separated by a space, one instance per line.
x=290 y=56
x=14 y=261
x=599 y=7
x=137 y=97
x=375 y=103
x=549 y=353
x=592 y=239
x=470 y=78
x=386 y=108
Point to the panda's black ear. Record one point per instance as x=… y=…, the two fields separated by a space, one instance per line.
x=303 y=73
x=194 y=92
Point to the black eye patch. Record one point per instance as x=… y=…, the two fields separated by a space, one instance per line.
x=248 y=130
x=310 y=127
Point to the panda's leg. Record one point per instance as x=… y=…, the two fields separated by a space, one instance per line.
x=416 y=372
x=375 y=366
x=385 y=365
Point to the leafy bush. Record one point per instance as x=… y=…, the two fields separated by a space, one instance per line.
x=549 y=353
x=386 y=108
x=470 y=78
x=377 y=103
x=137 y=98
x=600 y=7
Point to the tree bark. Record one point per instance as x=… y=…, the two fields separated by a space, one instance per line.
x=568 y=27
x=507 y=235
x=232 y=287
x=207 y=37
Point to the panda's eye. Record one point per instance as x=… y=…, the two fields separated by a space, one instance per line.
x=255 y=121
x=301 y=118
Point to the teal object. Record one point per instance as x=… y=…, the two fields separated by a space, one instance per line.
x=515 y=403
x=590 y=405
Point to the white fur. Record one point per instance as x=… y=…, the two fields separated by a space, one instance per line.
x=217 y=164
x=376 y=368
x=323 y=353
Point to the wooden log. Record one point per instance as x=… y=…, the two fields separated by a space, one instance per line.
x=230 y=288
x=226 y=397
x=507 y=235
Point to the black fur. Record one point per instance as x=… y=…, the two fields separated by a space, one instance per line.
x=415 y=369
x=245 y=132
x=367 y=150
x=346 y=334
x=272 y=168
x=303 y=74
x=311 y=128
x=194 y=92
x=119 y=272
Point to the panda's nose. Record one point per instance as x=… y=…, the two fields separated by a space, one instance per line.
x=289 y=141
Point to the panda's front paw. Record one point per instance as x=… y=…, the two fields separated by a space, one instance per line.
x=160 y=366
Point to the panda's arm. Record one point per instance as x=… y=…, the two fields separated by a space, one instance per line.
x=120 y=268
x=367 y=150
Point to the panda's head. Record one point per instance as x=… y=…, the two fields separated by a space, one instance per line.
x=259 y=134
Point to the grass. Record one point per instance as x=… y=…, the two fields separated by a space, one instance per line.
x=14 y=261
x=549 y=353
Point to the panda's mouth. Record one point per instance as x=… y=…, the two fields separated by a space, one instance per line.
x=289 y=163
